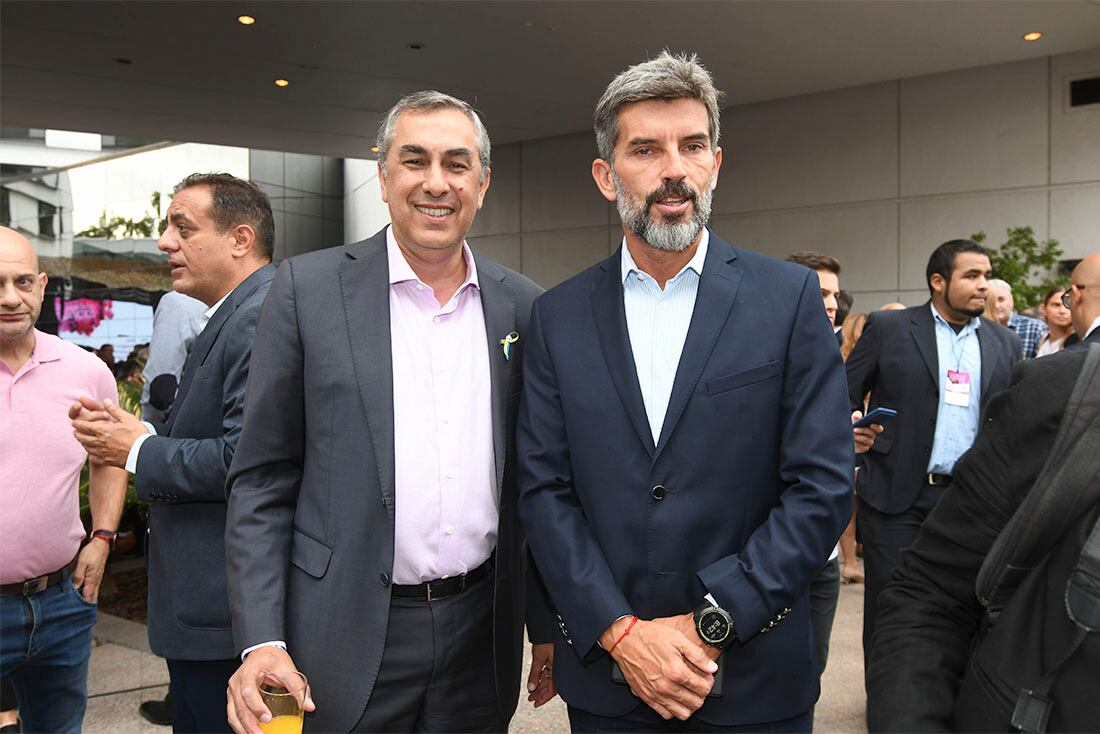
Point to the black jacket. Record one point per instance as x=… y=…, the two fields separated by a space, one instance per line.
x=929 y=614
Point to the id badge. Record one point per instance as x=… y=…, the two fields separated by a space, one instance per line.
x=958 y=389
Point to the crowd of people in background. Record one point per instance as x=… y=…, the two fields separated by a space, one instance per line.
x=378 y=463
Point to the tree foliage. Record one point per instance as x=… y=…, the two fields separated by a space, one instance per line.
x=1025 y=264
x=117 y=228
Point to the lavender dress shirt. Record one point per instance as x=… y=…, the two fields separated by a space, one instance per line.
x=446 y=513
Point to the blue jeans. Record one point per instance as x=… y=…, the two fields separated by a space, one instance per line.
x=45 y=643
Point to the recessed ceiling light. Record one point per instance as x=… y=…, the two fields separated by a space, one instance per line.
x=1033 y=36
x=282 y=83
x=414 y=46
x=374 y=149
x=246 y=19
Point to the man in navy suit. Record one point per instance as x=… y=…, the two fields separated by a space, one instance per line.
x=684 y=443
x=937 y=364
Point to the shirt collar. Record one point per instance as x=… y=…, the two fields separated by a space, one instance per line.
x=46 y=347
x=1092 y=327
x=974 y=323
x=402 y=272
x=628 y=265
x=209 y=313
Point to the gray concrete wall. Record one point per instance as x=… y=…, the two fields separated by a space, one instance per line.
x=877 y=175
x=307 y=199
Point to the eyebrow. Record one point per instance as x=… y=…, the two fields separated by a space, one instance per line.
x=693 y=138
x=421 y=150
x=176 y=217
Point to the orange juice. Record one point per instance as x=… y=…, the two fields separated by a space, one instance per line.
x=283 y=725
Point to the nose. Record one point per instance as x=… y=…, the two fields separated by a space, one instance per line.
x=435 y=182
x=165 y=242
x=674 y=169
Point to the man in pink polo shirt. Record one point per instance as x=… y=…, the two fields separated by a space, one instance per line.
x=50 y=584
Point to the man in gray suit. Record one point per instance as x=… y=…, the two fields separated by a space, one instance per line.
x=372 y=531
x=219 y=241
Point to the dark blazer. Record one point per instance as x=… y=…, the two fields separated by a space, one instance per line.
x=181 y=474
x=929 y=614
x=743 y=496
x=897 y=361
x=311 y=508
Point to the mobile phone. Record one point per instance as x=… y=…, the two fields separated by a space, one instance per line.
x=880 y=415
x=715 y=691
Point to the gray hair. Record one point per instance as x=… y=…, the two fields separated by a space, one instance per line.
x=666 y=77
x=996 y=284
x=426 y=101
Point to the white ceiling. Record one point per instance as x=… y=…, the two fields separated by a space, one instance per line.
x=534 y=69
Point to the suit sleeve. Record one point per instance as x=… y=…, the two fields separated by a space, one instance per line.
x=540 y=614
x=195 y=469
x=563 y=544
x=266 y=472
x=929 y=613
x=791 y=546
x=862 y=364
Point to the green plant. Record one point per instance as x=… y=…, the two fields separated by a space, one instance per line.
x=1025 y=264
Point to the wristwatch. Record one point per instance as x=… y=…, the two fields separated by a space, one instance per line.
x=715 y=625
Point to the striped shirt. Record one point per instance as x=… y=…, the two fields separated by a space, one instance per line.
x=657 y=322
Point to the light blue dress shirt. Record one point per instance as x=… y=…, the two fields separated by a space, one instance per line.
x=657 y=322
x=956 y=426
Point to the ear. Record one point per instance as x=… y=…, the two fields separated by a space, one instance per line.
x=244 y=240
x=601 y=173
x=938 y=283
x=717 y=165
x=483 y=186
x=382 y=182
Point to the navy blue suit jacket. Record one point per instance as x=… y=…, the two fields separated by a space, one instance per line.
x=754 y=458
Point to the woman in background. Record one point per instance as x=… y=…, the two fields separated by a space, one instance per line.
x=1058 y=321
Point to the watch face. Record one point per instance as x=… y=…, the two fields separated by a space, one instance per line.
x=713 y=627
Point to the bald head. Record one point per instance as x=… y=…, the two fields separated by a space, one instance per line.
x=1084 y=299
x=895 y=306
x=14 y=246
x=22 y=287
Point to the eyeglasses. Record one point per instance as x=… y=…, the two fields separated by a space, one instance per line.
x=1068 y=291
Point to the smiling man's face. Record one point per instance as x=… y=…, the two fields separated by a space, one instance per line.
x=432 y=179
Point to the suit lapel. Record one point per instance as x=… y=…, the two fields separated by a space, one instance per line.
x=718 y=286
x=205 y=341
x=365 y=292
x=923 y=328
x=610 y=316
x=498 y=303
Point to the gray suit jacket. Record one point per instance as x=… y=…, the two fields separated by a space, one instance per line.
x=311 y=508
x=181 y=474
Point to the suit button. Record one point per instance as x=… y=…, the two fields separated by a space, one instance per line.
x=384 y=579
x=658 y=493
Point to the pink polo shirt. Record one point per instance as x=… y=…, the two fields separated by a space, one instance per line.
x=40 y=459
x=446 y=499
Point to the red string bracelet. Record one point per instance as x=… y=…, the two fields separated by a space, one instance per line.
x=633 y=621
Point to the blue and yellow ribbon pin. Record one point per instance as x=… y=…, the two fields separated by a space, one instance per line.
x=506 y=345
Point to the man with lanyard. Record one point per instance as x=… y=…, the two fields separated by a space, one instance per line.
x=936 y=364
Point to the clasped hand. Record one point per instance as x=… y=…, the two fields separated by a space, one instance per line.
x=105 y=430
x=665 y=662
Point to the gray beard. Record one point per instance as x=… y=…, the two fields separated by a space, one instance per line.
x=662 y=235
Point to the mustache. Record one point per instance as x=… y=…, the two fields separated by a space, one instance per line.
x=671 y=189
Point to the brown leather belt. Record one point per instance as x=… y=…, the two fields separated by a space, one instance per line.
x=36 y=585
x=443 y=588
